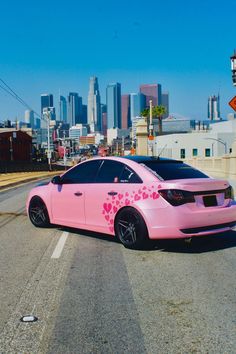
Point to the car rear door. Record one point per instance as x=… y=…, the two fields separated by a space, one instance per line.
x=111 y=190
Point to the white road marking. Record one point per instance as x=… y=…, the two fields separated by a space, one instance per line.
x=60 y=245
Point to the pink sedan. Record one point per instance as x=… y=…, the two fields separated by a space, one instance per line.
x=135 y=198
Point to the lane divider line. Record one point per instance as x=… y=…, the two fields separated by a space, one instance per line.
x=60 y=245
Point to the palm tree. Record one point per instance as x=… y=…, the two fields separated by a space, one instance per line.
x=157 y=112
x=145 y=113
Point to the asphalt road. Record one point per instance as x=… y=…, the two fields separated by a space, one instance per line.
x=98 y=297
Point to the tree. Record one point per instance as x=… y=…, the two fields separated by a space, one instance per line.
x=157 y=112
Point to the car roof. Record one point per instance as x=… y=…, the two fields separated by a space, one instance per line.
x=143 y=159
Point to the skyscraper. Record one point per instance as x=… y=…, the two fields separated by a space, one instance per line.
x=94 y=106
x=137 y=104
x=74 y=109
x=165 y=103
x=46 y=101
x=214 y=107
x=29 y=118
x=125 y=112
x=152 y=92
x=113 y=105
x=62 y=109
x=104 y=118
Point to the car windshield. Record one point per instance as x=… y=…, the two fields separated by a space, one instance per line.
x=172 y=170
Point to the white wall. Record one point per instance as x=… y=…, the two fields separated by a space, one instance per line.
x=171 y=144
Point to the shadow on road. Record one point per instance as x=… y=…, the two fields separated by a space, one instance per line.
x=204 y=244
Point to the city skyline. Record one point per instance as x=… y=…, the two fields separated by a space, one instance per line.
x=185 y=47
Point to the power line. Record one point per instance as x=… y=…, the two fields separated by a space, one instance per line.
x=8 y=89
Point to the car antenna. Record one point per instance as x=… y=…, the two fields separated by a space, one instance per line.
x=161 y=151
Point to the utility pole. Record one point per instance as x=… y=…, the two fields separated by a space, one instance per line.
x=47 y=112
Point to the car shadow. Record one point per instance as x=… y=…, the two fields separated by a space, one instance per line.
x=203 y=244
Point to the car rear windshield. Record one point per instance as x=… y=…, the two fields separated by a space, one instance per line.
x=172 y=170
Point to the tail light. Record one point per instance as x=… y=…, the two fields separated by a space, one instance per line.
x=176 y=196
x=229 y=193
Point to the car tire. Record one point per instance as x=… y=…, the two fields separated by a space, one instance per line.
x=38 y=213
x=130 y=228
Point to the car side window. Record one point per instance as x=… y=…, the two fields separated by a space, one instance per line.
x=82 y=173
x=129 y=176
x=116 y=172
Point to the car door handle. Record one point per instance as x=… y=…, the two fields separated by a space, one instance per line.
x=112 y=193
x=78 y=194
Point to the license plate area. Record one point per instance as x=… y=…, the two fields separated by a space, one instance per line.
x=210 y=200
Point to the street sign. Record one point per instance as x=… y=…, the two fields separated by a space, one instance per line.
x=232 y=103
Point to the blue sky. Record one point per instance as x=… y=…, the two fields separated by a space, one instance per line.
x=47 y=46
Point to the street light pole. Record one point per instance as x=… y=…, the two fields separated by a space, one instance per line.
x=151 y=137
x=220 y=141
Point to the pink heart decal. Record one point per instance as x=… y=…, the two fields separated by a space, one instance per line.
x=155 y=195
x=117 y=202
x=111 y=221
x=127 y=194
x=107 y=207
x=127 y=202
x=144 y=188
x=159 y=186
x=114 y=209
x=145 y=195
x=137 y=197
x=107 y=217
x=111 y=228
x=120 y=196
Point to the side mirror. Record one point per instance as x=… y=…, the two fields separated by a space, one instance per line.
x=56 y=180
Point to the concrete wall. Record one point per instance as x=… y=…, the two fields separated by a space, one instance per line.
x=224 y=166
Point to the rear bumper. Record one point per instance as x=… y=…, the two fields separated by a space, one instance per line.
x=182 y=222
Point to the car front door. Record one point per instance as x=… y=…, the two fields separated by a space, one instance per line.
x=68 y=198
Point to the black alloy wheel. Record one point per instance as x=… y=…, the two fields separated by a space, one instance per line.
x=130 y=228
x=38 y=213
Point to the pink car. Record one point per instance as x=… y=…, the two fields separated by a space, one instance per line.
x=135 y=198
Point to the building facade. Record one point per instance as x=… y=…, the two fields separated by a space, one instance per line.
x=152 y=92
x=125 y=112
x=113 y=97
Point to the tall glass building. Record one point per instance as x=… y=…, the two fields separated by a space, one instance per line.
x=113 y=97
x=94 y=106
x=74 y=109
x=63 y=109
x=137 y=104
x=46 y=101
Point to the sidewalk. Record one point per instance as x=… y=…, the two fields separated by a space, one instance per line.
x=8 y=180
